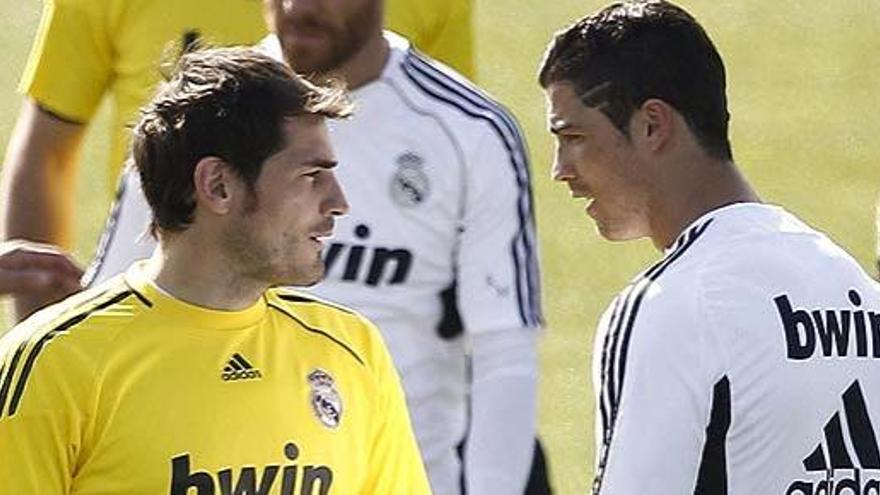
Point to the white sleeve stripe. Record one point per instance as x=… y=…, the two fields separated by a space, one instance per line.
x=621 y=336
x=604 y=404
x=94 y=269
x=469 y=93
x=442 y=87
x=513 y=141
x=626 y=313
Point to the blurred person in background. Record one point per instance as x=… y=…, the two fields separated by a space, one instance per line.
x=439 y=248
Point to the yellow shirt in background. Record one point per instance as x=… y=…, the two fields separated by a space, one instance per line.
x=441 y=28
x=85 y=49
x=124 y=389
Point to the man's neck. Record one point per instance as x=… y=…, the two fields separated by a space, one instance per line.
x=189 y=272
x=699 y=189
x=366 y=65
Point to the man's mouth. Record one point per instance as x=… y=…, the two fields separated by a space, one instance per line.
x=303 y=29
x=322 y=235
x=580 y=194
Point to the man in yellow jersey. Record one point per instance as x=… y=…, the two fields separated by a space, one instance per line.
x=439 y=249
x=86 y=49
x=189 y=374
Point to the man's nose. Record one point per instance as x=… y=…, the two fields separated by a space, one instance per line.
x=337 y=204
x=561 y=171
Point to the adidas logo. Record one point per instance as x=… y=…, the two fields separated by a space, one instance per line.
x=833 y=453
x=238 y=368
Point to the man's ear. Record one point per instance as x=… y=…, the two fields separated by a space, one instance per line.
x=215 y=185
x=655 y=124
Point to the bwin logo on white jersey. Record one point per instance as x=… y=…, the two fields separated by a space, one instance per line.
x=837 y=472
x=830 y=332
x=383 y=264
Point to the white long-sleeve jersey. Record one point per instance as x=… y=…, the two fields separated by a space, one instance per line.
x=440 y=237
x=747 y=361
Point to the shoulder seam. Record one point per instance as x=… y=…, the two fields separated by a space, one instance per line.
x=441 y=87
x=300 y=298
x=446 y=127
x=318 y=331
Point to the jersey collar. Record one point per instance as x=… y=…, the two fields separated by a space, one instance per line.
x=137 y=277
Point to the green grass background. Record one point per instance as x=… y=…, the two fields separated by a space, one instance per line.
x=804 y=86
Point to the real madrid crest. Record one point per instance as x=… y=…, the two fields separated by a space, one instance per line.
x=326 y=402
x=409 y=185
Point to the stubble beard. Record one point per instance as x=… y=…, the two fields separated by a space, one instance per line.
x=257 y=262
x=342 y=46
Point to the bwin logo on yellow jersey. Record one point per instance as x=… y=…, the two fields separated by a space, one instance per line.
x=308 y=480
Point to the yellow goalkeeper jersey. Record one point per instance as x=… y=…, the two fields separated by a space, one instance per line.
x=85 y=49
x=126 y=390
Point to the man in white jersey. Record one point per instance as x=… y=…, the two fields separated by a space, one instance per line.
x=746 y=361
x=439 y=249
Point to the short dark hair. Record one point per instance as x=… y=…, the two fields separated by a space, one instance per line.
x=631 y=51
x=223 y=102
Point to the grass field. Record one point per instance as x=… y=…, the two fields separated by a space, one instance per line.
x=803 y=88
